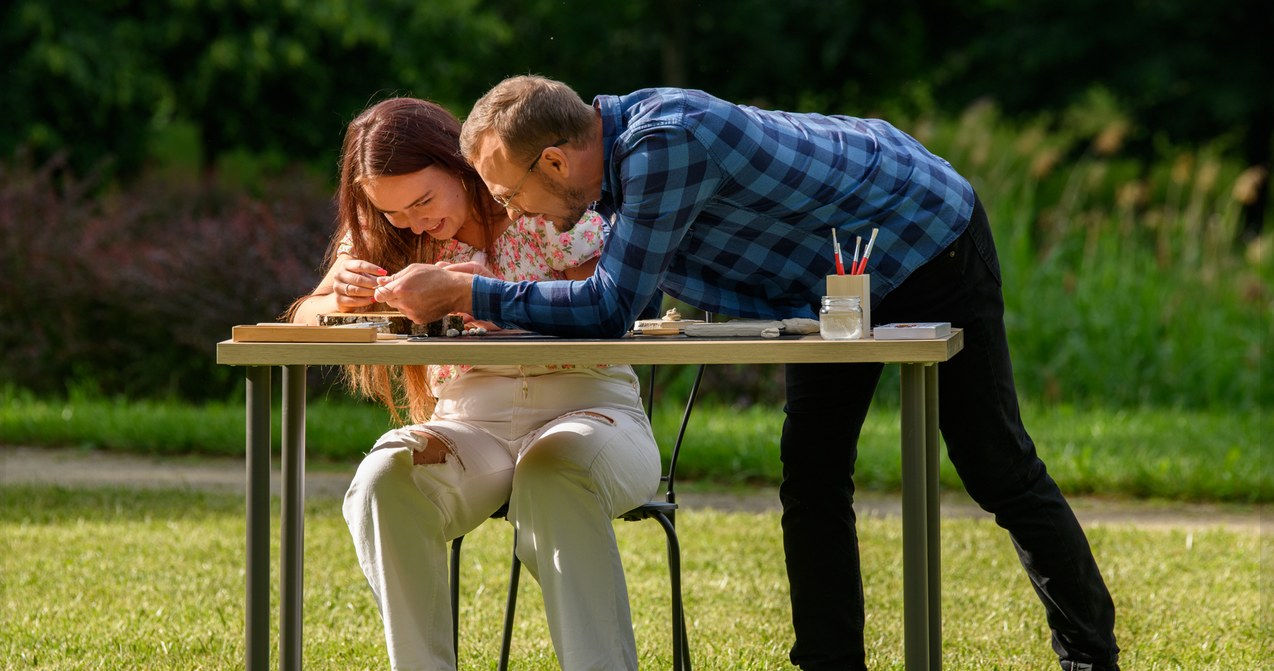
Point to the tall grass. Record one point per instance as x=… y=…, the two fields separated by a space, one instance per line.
x=1125 y=283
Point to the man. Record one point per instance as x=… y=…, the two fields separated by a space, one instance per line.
x=730 y=209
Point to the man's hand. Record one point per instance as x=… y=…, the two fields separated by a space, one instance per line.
x=426 y=293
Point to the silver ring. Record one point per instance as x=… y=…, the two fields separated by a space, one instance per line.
x=349 y=289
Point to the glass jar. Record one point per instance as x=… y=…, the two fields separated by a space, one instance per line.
x=841 y=318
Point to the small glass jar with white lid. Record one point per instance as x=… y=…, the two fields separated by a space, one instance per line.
x=841 y=318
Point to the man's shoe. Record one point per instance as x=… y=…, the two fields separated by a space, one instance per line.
x=1068 y=665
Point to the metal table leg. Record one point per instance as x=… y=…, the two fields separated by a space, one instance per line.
x=934 y=516
x=915 y=523
x=257 y=607
x=292 y=541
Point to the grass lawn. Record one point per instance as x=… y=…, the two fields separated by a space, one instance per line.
x=118 y=579
x=1151 y=452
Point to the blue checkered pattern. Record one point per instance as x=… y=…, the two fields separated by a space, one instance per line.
x=730 y=208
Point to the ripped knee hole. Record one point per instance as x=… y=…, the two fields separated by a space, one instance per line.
x=435 y=450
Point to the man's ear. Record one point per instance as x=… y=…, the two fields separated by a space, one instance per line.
x=555 y=161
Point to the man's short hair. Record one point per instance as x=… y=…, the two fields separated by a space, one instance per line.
x=527 y=113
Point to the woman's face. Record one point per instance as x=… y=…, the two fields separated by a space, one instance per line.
x=430 y=201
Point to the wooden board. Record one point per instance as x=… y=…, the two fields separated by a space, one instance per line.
x=302 y=333
x=662 y=326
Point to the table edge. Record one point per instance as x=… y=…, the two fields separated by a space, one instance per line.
x=670 y=350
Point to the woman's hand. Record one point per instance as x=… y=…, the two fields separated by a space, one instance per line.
x=354 y=284
x=425 y=292
x=471 y=267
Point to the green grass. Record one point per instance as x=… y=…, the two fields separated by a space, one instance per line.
x=1176 y=454
x=1125 y=283
x=1150 y=453
x=148 y=580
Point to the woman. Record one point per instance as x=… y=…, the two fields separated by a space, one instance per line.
x=569 y=448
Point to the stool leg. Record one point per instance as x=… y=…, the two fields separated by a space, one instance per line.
x=455 y=597
x=509 y=606
x=680 y=639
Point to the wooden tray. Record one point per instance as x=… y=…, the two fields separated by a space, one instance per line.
x=302 y=333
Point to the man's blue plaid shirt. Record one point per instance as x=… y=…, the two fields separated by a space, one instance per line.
x=731 y=209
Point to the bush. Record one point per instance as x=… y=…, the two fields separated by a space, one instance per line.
x=127 y=291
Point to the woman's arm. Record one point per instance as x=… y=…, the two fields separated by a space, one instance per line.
x=582 y=271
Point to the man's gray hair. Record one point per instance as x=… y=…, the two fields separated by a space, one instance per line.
x=527 y=113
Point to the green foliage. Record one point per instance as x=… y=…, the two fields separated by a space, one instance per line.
x=1184 y=74
x=128 y=292
x=98 y=80
x=1123 y=285
x=78 y=79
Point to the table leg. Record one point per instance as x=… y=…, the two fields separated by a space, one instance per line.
x=915 y=527
x=934 y=516
x=292 y=541
x=257 y=495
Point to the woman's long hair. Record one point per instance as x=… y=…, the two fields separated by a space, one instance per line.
x=399 y=136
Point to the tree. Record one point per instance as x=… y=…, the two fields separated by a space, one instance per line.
x=84 y=82
x=1184 y=72
x=98 y=79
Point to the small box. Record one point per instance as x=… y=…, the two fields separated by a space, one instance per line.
x=913 y=331
x=854 y=285
x=662 y=326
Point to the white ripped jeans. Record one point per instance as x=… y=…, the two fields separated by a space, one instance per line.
x=570 y=450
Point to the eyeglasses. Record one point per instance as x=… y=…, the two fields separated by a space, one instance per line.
x=507 y=201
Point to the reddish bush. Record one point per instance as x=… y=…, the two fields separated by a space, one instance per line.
x=128 y=289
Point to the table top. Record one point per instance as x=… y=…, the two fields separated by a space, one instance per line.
x=532 y=350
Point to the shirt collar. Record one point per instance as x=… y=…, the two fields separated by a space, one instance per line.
x=612 y=125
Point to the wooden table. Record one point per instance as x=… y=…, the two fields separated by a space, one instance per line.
x=922 y=634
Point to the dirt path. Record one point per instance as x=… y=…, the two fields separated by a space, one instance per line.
x=75 y=467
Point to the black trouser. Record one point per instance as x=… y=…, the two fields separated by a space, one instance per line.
x=991 y=451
